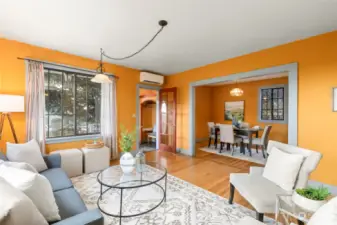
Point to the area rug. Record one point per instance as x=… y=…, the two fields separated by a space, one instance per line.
x=256 y=157
x=186 y=203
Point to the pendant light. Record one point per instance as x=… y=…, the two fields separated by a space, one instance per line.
x=100 y=77
x=236 y=92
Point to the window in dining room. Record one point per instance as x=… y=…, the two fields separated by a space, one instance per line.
x=273 y=104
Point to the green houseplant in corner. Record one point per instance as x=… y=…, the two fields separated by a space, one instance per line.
x=311 y=198
x=126 y=141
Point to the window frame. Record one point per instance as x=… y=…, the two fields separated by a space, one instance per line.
x=63 y=139
x=285 y=102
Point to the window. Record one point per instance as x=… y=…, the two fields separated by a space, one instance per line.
x=73 y=104
x=272 y=104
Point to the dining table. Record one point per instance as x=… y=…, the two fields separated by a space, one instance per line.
x=249 y=132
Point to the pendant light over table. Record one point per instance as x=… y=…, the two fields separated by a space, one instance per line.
x=236 y=92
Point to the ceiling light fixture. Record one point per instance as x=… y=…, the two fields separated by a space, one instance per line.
x=236 y=92
x=101 y=77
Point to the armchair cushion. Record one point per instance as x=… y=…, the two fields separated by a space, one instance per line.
x=327 y=214
x=255 y=170
x=259 y=191
x=282 y=168
x=311 y=160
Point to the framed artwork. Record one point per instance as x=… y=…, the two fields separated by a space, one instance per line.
x=235 y=109
x=334 y=99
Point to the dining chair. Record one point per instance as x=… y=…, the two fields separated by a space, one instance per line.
x=260 y=142
x=227 y=136
x=244 y=125
x=211 y=133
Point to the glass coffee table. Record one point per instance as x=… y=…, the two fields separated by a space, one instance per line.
x=288 y=209
x=113 y=178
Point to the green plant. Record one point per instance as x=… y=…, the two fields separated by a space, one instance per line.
x=126 y=139
x=318 y=194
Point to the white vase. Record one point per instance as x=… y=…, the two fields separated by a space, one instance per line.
x=307 y=204
x=127 y=162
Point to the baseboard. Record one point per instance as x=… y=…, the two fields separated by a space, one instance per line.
x=332 y=188
x=183 y=152
x=198 y=140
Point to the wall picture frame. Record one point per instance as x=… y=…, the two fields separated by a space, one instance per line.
x=334 y=99
x=236 y=109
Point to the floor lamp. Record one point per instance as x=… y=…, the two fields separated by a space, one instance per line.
x=9 y=104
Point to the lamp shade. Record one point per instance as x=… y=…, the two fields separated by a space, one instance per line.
x=236 y=92
x=101 y=78
x=12 y=103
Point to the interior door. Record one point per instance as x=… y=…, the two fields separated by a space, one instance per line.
x=167 y=119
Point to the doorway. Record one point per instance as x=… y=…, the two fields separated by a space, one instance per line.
x=147 y=118
x=160 y=133
x=290 y=69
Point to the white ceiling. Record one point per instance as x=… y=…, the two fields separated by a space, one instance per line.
x=250 y=79
x=199 y=31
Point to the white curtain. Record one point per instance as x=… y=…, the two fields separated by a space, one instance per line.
x=109 y=117
x=35 y=103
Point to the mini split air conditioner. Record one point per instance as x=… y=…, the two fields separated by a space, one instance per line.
x=151 y=78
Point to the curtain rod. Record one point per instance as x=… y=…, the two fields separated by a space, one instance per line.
x=66 y=66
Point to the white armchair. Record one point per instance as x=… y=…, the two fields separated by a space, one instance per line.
x=261 y=192
x=326 y=215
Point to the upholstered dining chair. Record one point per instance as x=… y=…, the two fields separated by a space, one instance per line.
x=227 y=136
x=259 y=191
x=260 y=142
x=244 y=125
x=211 y=132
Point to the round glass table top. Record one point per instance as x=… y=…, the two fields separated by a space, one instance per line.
x=150 y=173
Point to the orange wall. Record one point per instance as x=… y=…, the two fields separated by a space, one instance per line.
x=317 y=61
x=220 y=95
x=202 y=111
x=12 y=81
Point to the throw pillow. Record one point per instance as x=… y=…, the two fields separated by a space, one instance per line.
x=27 y=152
x=16 y=208
x=326 y=214
x=36 y=187
x=282 y=168
x=19 y=165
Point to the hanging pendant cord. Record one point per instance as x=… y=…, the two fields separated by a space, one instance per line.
x=162 y=24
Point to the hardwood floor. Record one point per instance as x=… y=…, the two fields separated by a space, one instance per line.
x=206 y=170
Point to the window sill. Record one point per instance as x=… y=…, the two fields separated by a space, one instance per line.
x=72 y=138
x=273 y=121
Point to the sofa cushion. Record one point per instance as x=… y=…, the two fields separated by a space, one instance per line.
x=19 y=165
x=33 y=185
x=57 y=178
x=259 y=191
x=28 y=152
x=69 y=203
x=17 y=208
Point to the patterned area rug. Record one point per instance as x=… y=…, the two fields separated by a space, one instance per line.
x=186 y=204
x=256 y=157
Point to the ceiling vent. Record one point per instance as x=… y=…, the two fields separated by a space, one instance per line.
x=151 y=78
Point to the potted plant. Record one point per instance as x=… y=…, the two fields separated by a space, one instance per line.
x=126 y=142
x=311 y=198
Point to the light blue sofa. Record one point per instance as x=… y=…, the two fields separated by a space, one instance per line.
x=71 y=207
